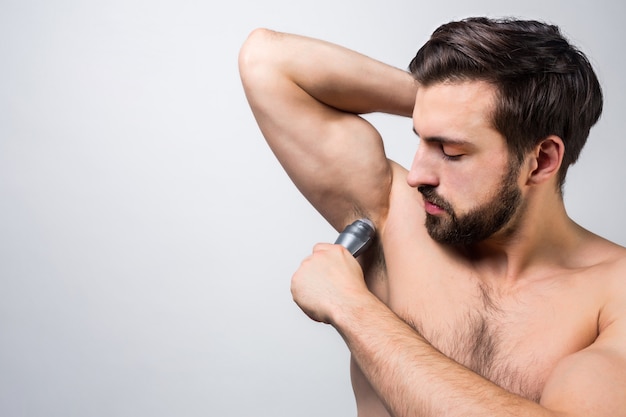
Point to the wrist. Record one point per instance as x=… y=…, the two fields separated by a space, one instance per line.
x=356 y=311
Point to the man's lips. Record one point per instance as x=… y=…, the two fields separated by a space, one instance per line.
x=432 y=208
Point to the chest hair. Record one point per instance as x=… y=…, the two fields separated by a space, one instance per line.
x=478 y=337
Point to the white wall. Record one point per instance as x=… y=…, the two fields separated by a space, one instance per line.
x=148 y=236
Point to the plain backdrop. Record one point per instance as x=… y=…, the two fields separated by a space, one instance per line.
x=148 y=235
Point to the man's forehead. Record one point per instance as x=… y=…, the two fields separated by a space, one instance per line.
x=459 y=91
x=462 y=105
x=457 y=112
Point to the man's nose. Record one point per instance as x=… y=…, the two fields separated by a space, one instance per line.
x=423 y=170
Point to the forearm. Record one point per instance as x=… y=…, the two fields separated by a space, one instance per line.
x=413 y=378
x=333 y=75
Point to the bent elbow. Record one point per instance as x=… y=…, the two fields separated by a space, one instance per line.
x=255 y=53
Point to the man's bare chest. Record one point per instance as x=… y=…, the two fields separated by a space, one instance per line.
x=513 y=338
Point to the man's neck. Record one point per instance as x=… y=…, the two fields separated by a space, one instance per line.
x=537 y=243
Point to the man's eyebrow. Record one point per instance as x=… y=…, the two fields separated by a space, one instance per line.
x=444 y=140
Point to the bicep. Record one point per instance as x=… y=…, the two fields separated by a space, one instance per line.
x=335 y=158
x=591 y=382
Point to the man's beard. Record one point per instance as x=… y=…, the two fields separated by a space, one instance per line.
x=481 y=222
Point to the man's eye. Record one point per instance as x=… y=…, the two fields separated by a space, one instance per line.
x=450 y=156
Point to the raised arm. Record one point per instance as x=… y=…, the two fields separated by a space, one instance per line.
x=306 y=95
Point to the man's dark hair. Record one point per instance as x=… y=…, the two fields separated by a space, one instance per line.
x=545 y=86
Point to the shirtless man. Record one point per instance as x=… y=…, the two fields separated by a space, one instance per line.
x=481 y=296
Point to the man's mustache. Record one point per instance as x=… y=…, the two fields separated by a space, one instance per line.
x=430 y=194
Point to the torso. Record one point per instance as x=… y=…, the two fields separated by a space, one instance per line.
x=513 y=337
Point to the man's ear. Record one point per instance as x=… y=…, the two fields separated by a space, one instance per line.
x=546 y=159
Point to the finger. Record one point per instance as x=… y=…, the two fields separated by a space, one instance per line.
x=323 y=246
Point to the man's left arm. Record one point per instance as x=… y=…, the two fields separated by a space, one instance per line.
x=592 y=382
x=415 y=379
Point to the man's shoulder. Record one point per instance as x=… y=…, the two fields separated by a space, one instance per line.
x=608 y=275
x=607 y=255
x=616 y=271
x=602 y=262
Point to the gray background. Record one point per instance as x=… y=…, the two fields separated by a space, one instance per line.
x=148 y=236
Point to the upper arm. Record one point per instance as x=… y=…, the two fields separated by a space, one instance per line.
x=334 y=157
x=592 y=382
